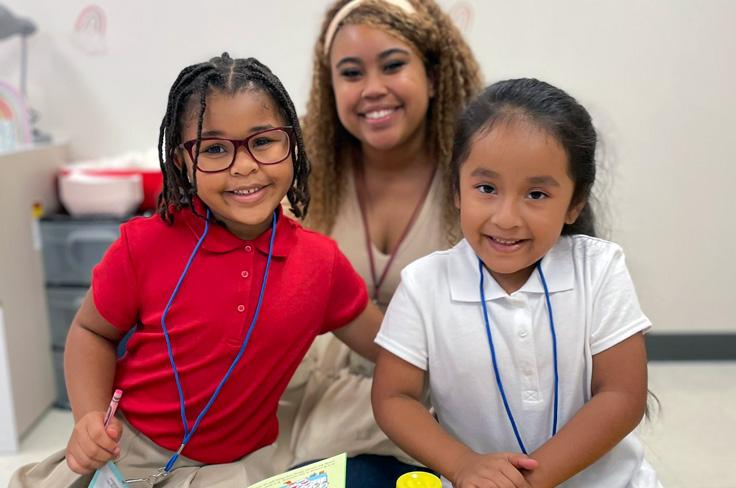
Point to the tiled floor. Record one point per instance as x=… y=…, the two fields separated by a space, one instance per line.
x=691 y=441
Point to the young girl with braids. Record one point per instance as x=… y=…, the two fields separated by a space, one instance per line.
x=389 y=77
x=226 y=292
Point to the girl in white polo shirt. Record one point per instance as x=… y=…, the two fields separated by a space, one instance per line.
x=529 y=331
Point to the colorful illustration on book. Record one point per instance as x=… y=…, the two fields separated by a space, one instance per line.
x=328 y=473
x=317 y=480
x=15 y=127
x=90 y=29
x=462 y=14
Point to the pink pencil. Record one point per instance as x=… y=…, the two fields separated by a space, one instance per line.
x=113 y=406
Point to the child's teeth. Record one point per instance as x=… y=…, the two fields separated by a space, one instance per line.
x=246 y=192
x=377 y=114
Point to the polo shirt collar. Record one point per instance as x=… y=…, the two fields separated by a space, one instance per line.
x=220 y=240
x=557 y=267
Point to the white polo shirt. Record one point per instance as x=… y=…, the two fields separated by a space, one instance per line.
x=435 y=322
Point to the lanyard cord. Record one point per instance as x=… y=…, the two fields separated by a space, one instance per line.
x=495 y=364
x=362 y=193
x=189 y=433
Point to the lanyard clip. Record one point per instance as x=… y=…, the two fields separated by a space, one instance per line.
x=150 y=480
x=160 y=475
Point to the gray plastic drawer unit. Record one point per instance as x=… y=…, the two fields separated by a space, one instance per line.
x=62 y=399
x=63 y=305
x=72 y=248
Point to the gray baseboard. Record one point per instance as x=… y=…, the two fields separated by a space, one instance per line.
x=691 y=347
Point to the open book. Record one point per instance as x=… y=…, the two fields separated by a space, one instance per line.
x=328 y=473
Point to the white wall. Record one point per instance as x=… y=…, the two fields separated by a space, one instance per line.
x=658 y=77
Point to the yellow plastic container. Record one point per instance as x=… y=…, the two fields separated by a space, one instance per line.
x=418 y=479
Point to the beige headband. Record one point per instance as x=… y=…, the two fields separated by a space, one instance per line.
x=349 y=7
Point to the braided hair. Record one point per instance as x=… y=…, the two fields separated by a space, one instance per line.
x=228 y=76
x=448 y=62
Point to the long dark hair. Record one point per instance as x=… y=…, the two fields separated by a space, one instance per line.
x=552 y=110
x=448 y=61
x=229 y=76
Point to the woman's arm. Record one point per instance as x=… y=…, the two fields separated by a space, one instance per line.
x=619 y=395
x=89 y=370
x=397 y=389
x=359 y=334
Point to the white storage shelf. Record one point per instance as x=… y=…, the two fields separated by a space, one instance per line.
x=26 y=373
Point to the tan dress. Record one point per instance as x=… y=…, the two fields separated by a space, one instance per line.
x=335 y=414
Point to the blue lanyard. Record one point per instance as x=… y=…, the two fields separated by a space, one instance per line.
x=495 y=364
x=187 y=432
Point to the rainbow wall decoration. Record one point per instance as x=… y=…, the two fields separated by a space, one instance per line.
x=462 y=14
x=90 y=29
x=15 y=128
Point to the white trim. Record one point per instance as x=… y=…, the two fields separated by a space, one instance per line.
x=8 y=429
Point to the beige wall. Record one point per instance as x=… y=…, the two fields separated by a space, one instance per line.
x=658 y=77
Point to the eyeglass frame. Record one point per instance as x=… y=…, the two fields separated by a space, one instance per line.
x=188 y=145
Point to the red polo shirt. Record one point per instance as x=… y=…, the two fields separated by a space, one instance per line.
x=311 y=289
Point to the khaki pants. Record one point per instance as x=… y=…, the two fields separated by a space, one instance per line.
x=140 y=457
x=335 y=413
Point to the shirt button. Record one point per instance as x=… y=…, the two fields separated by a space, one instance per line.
x=244 y=274
x=248 y=248
x=241 y=308
x=523 y=334
x=530 y=395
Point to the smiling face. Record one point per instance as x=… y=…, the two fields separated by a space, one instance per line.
x=381 y=87
x=515 y=196
x=244 y=196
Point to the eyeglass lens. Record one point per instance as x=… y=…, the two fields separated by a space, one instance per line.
x=268 y=147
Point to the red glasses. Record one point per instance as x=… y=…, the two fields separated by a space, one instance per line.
x=270 y=146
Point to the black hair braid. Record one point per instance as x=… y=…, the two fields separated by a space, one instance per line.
x=298 y=193
x=204 y=83
x=176 y=184
x=228 y=75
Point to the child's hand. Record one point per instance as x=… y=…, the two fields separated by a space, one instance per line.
x=496 y=470
x=91 y=444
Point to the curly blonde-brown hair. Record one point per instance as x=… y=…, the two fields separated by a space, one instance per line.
x=448 y=62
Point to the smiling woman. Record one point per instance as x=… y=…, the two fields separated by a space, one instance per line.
x=388 y=79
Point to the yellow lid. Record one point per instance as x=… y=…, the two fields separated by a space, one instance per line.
x=418 y=479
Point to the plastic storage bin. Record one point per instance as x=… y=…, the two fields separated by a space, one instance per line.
x=63 y=304
x=62 y=400
x=71 y=248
